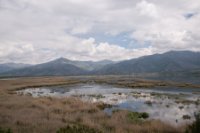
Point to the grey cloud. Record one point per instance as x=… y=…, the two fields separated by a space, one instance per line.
x=56 y=26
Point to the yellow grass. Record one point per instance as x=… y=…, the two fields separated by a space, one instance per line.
x=25 y=114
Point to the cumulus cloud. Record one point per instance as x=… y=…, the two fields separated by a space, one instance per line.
x=34 y=31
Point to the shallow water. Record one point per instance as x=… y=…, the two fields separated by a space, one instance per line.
x=166 y=104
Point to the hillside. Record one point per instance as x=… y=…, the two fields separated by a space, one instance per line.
x=11 y=66
x=168 y=62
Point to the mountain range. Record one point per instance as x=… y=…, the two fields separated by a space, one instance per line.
x=10 y=66
x=169 y=62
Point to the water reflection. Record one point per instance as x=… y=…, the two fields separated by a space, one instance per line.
x=174 y=105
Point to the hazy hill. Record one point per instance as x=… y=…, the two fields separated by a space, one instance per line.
x=58 y=67
x=86 y=65
x=11 y=66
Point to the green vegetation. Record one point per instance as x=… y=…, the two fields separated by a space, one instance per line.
x=78 y=129
x=195 y=127
x=136 y=116
x=5 y=130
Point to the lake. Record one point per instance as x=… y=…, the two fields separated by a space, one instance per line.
x=169 y=104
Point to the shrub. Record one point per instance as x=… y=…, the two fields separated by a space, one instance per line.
x=5 y=130
x=144 y=115
x=186 y=117
x=115 y=111
x=99 y=96
x=149 y=103
x=78 y=129
x=136 y=116
x=195 y=126
x=102 y=106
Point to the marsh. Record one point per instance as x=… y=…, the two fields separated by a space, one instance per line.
x=169 y=104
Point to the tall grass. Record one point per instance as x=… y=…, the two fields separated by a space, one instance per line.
x=25 y=114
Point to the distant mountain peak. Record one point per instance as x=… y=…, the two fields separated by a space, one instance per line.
x=62 y=59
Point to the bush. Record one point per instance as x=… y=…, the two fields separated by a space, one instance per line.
x=136 y=116
x=195 y=127
x=5 y=130
x=103 y=106
x=149 y=103
x=186 y=117
x=144 y=115
x=78 y=129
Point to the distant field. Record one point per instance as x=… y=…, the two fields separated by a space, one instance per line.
x=25 y=114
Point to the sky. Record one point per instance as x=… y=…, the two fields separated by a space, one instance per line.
x=36 y=31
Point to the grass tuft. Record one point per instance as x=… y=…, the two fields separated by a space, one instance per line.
x=78 y=129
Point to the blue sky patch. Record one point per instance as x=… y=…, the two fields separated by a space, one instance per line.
x=122 y=39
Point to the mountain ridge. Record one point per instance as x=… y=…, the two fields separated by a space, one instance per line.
x=171 y=61
x=10 y=66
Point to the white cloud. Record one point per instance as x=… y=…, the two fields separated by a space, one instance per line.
x=35 y=31
x=147 y=9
